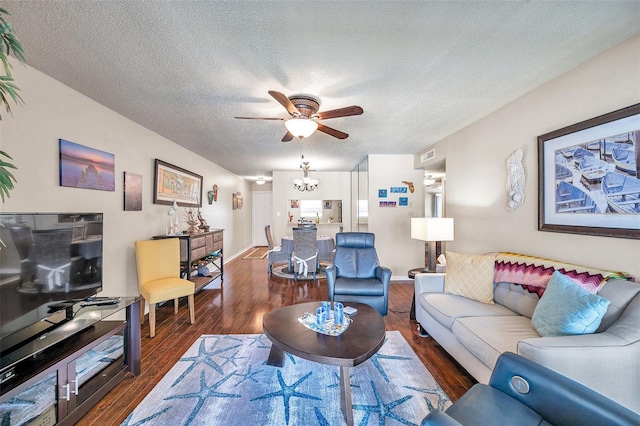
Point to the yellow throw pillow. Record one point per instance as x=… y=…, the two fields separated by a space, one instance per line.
x=470 y=276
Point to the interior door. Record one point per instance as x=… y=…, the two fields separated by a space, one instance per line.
x=262 y=215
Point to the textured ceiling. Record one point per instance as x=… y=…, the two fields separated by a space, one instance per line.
x=420 y=70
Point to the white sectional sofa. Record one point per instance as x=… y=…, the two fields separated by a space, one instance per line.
x=476 y=333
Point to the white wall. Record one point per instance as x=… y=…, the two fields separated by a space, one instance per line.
x=333 y=186
x=52 y=111
x=392 y=225
x=476 y=170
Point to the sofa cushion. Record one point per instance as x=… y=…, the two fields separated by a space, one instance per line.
x=565 y=309
x=359 y=286
x=488 y=337
x=470 y=276
x=446 y=308
x=516 y=298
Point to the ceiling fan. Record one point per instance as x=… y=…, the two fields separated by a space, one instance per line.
x=303 y=110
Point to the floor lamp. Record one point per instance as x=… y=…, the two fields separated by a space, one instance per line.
x=432 y=230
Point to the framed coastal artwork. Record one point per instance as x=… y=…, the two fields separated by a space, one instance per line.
x=132 y=192
x=175 y=183
x=85 y=167
x=399 y=189
x=588 y=176
x=236 y=200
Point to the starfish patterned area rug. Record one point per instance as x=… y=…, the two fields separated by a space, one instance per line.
x=225 y=380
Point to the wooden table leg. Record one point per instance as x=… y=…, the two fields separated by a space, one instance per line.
x=345 y=395
x=276 y=356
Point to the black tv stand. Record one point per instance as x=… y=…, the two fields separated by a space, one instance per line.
x=55 y=355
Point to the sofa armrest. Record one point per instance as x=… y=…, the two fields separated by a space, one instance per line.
x=558 y=399
x=439 y=418
x=429 y=283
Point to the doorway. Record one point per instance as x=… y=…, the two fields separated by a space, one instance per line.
x=262 y=215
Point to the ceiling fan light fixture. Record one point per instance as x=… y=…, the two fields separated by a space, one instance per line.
x=301 y=127
x=260 y=181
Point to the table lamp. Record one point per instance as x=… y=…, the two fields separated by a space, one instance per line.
x=431 y=230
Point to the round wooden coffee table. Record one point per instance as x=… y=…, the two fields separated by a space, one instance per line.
x=358 y=343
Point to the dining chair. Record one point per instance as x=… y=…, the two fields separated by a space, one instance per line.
x=56 y=267
x=158 y=264
x=23 y=239
x=326 y=257
x=275 y=254
x=305 y=251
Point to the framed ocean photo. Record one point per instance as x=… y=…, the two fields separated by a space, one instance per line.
x=85 y=167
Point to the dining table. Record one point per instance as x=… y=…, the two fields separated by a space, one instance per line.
x=326 y=244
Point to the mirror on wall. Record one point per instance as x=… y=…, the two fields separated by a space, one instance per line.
x=320 y=211
x=360 y=196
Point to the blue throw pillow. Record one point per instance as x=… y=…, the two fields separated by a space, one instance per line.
x=566 y=308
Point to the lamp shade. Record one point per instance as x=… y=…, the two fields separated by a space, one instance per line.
x=301 y=127
x=432 y=228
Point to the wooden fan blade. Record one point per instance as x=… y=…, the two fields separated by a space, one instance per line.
x=333 y=132
x=284 y=101
x=288 y=137
x=259 y=118
x=340 y=112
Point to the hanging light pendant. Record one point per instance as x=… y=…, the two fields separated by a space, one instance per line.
x=306 y=183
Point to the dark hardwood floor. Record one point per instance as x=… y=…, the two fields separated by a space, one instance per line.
x=237 y=307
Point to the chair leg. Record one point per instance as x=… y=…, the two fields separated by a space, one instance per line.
x=176 y=302
x=141 y=311
x=192 y=312
x=152 y=319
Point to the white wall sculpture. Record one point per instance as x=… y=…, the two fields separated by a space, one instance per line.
x=515 y=181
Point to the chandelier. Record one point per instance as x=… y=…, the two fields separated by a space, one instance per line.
x=306 y=183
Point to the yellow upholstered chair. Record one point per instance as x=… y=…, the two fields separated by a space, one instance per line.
x=158 y=263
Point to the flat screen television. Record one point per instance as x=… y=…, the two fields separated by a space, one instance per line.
x=48 y=262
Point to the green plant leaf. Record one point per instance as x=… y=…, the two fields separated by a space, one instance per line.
x=10 y=45
x=6 y=177
x=9 y=165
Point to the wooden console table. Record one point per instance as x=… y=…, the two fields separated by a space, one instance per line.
x=199 y=246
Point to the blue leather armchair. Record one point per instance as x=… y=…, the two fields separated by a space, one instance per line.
x=523 y=393
x=356 y=274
